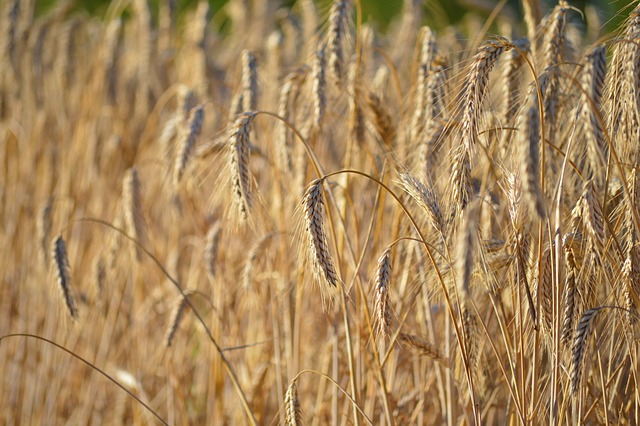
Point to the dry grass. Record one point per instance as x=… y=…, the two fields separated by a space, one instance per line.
x=422 y=225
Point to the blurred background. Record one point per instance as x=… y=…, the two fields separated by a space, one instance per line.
x=439 y=13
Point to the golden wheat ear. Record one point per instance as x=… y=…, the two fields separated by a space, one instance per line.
x=383 y=304
x=292 y=409
x=63 y=274
x=318 y=247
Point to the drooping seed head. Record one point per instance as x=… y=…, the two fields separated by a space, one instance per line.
x=425 y=198
x=249 y=81
x=292 y=409
x=581 y=337
x=63 y=274
x=383 y=304
x=188 y=136
x=212 y=243
x=477 y=82
x=239 y=154
x=132 y=200
x=318 y=247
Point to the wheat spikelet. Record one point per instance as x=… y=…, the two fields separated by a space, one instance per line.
x=43 y=227
x=383 y=305
x=187 y=141
x=422 y=347
x=427 y=52
x=514 y=62
x=381 y=119
x=545 y=291
x=249 y=81
x=10 y=27
x=580 y=340
x=437 y=86
x=177 y=315
x=592 y=82
x=337 y=27
x=630 y=282
x=592 y=216
x=356 y=117
x=239 y=152
x=521 y=248
x=622 y=111
x=425 y=198
x=132 y=200
x=569 y=297
x=323 y=265
x=292 y=409
x=552 y=56
x=318 y=72
x=100 y=276
x=63 y=273
x=517 y=207
x=108 y=56
x=529 y=160
x=466 y=246
x=288 y=93
x=461 y=178
x=470 y=328
x=429 y=140
x=212 y=243
x=477 y=82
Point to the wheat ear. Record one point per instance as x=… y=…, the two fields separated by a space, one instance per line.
x=63 y=273
x=239 y=152
x=177 y=315
x=337 y=26
x=313 y=205
x=580 y=340
x=212 y=243
x=132 y=200
x=383 y=304
x=249 y=81
x=422 y=347
x=425 y=198
x=292 y=409
x=529 y=160
x=188 y=137
x=477 y=82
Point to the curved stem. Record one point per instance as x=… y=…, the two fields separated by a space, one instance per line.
x=90 y=365
x=225 y=361
x=431 y=258
x=339 y=387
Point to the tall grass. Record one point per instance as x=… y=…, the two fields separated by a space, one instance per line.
x=282 y=215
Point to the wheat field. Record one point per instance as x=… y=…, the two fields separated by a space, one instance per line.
x=288 y=215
